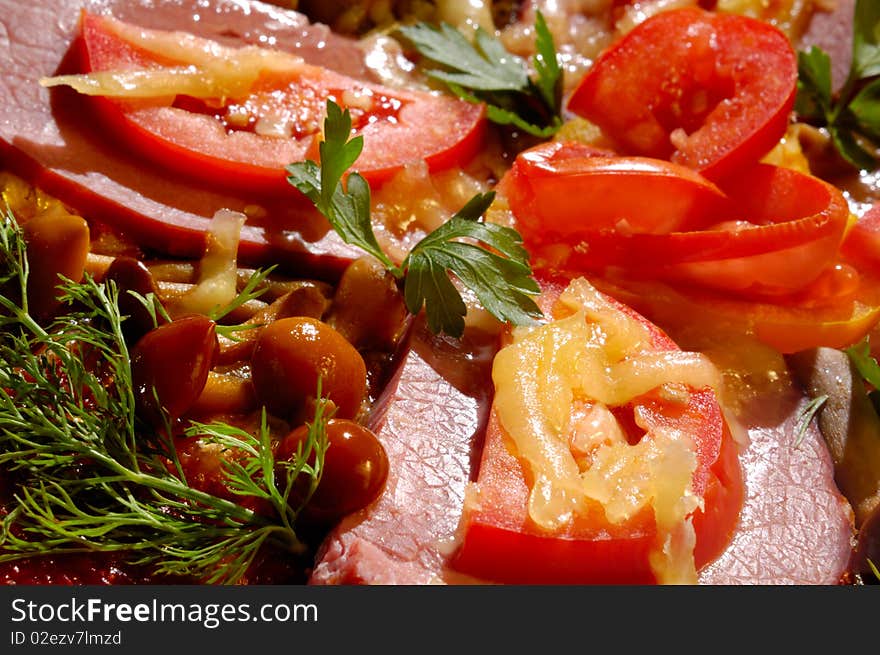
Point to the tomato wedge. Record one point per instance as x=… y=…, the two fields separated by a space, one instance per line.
x=773 y=231
x=561 y=188
x=501 y=541
x=793 y=229
x=246 y=139
x=709 y=91
x=862 y=242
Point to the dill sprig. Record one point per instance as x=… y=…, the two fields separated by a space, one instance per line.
x=805 y=417
x=89 y=477
x=252 y=290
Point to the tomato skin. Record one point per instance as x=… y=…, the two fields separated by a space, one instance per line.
x=794 y=224
x=862 y=243
x=794 y=332
x=499 y=543
x=788 y=325
x=727 y=81
x=563 y=188
x=400 y=127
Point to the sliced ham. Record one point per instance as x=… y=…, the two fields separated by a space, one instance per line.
x=433 y=419
x=52 y=139
x=795 y=527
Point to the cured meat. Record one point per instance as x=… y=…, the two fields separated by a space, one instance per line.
x=51 y=139
x=431 y=427
x=795 y=527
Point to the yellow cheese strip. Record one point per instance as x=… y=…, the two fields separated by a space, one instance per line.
x=598 y=357
x=201 y=68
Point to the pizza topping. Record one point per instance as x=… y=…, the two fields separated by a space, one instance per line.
x=500 y=279
x=615 y=406
x=202 y=69
x=709 y=91
x=600 y=357
x=238 y=116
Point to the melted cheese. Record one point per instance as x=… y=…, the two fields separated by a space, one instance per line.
x=556 y=383
x=204 y=69
x=218 y=268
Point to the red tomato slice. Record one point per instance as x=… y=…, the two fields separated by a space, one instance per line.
x=500 y=543
x=710 y=91
x=789 y=231
x=201 y=138
x=557 y=189
x=789 y=326
x=794 y=227
x=862 y=242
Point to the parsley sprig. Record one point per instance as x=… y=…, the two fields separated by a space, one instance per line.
x=852 y=116
x=484 y=71
x=500 y=275
x=868 y=368
x=88 y=477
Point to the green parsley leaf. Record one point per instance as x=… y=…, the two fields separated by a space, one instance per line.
x=427 y=282
x=852 y=116
x=848 y=145
x=347 y=209
x=814 y=84
x=866 y=108
x=499 y=273
x=549 y=80
x=502 y=283
x=865 y=364
x=866 y=39
x=484 y=71
x=503 y=116
x=484 y=65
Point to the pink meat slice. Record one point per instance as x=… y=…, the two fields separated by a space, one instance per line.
x=51 y=138
x=795 y=527
x=434 y=416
